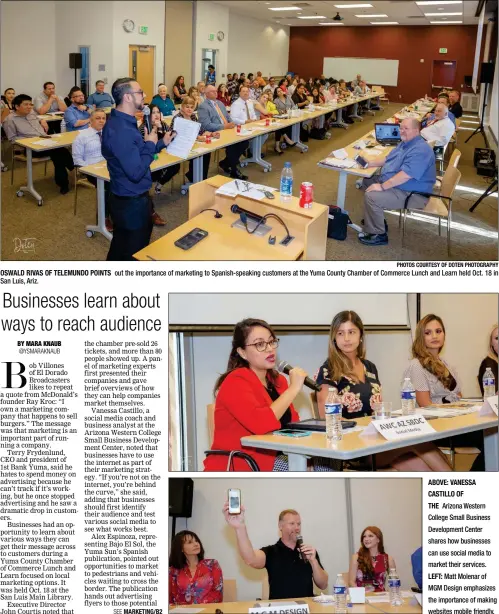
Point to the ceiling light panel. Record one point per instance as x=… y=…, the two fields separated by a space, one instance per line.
x=353 y=6
x=312 y=17
x=384 y=23
x=372 y=16
x=445 y=22
x=441 y=14
x=285 y=8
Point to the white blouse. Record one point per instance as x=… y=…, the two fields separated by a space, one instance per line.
x=424 y=381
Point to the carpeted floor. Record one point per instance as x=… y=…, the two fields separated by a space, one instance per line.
x=57 y=234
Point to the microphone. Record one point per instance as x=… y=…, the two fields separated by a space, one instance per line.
x=299 y=544
x=254 y=216
x=147 y=119
x=285 y=367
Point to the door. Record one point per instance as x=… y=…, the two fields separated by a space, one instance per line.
x=443 y=74
x=141 y=68
x=208 y=56
x=85 y=70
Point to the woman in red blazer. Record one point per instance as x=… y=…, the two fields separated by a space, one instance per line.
x=252 y=398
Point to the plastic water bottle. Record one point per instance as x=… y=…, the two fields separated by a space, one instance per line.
x=334 y=430
x=340 y=595
x=394 y=588
x=489 y=384
x=286 y=183
x=408 y=397
x=63 y=126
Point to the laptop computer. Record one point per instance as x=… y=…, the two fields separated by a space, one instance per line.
x=387 y=134
x=318 y=425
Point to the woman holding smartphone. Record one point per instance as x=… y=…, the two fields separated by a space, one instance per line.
x=193 y=579
x=252 y=398
x=359 y=388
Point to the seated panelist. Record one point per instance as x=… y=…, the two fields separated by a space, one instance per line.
x=490 y=361
x=193 y=579
x=292 y=570
x=370 y=565
x=252 y=398
x=348 y=370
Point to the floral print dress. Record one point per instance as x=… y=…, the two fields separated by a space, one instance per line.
x=206 y=586
x=358 y=399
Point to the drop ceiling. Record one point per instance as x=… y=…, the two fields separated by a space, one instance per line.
x=404 y=12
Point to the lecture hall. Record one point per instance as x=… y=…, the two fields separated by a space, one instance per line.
x=322 y=130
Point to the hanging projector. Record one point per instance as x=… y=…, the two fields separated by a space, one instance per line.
x=338 y=18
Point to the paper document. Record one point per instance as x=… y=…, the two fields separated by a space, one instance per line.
x=43 y=142
x=340 y=154
x=339 y=163
x=187 y=133
x=245 y=188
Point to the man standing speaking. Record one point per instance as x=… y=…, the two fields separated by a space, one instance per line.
x=128 y=159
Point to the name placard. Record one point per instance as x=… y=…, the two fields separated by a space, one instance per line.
x=489 y=407
x=280 y=607
x=399 y=428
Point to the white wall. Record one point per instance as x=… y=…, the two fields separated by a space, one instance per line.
x=210 y=18
x=144 y=13
x=468 y=320
x=268 y=42
x=60 y=27
x=393 y=505
x=28 y=34
x=87 y=24
x=494 y=102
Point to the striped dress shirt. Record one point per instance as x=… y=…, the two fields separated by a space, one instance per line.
x=87 y=148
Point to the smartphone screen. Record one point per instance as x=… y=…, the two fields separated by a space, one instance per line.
x=361 y=161
x=234 y=501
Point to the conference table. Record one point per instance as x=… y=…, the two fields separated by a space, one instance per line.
x=409 y=606
x=356 y=445
x=358 y=147
x=225 y=241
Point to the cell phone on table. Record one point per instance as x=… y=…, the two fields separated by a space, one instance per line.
x=234 y=496
x=362 y=162
x=191 y=238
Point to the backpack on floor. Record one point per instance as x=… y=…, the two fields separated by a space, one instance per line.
x=303 y=135
x=318 y=133
x=337 y=223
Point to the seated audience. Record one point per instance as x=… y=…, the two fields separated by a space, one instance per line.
x=6 y=107
x=179 y=92
x=48 y=101
x=23 y=123
x=455 y=106
x=100 y=99
x=283 y=85
x=163 y=100
x=330 y=94
x=193 y=579
x=408 y=167
x=211 y=77
x=271 y=86
x=255 y=90
x=232 y=84
x=490 y=361
x=283 y=105
x=260 y=79
x=223 y=95
x=288 y=577
x=214 y=118
x=429 y=117
x=317 y=97
x=292 y=87
x=251 y=396
x=265 y=102
x=194 y=94
x=251 y=77
x=201 y=85
x=242 y=111
x=186 y=111
x=87 y=150
x=361 y=89
x=370 y=565
x=300 y=98
x=357 y=81
x=439 y=131
x=77 y=116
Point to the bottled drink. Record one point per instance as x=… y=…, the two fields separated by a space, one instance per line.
x=334 y=430
x=489 y=384
x=286 y=183
x=63 y=126
x=394 y=588
x=408 y=397
x=340 y=595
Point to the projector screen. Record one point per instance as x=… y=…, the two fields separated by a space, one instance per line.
x=476 y=67
x=375 y=71
x=286 y=309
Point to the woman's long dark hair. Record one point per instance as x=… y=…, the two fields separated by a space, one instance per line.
x=178 y=559
x=239 y=338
